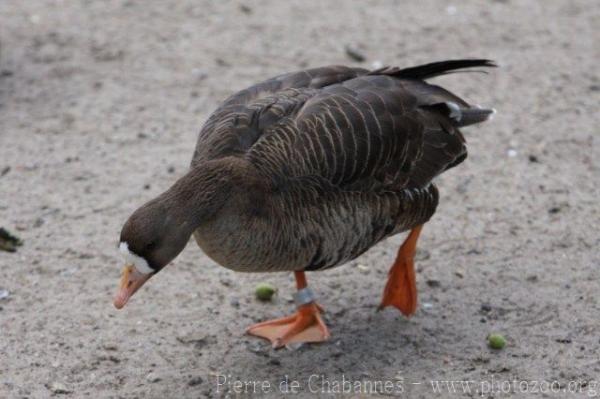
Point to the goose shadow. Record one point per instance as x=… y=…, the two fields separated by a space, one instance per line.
x=365 y=346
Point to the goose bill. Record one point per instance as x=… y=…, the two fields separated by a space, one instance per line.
x=131 y=281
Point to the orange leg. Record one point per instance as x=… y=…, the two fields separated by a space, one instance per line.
x=304 y=326
x=401 y=288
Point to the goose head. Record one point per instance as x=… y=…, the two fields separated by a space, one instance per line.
x=159 y=230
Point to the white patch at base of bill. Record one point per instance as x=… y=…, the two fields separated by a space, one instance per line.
x=140 y=263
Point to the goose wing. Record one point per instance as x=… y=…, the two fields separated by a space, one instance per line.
x=378 y=130
x=356 y=129
x=238 y=123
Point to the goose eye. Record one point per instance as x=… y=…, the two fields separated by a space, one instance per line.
x=152 y=245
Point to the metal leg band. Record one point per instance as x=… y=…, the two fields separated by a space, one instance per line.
x=304 y=296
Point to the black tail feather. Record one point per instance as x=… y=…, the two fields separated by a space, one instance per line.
x=434 y=69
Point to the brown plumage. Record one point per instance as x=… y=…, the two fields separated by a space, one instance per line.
x=342 y=158
x=307 y=171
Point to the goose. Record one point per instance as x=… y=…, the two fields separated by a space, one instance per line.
x=306 y=171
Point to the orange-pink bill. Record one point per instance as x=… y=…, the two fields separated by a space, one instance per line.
x=131 y=281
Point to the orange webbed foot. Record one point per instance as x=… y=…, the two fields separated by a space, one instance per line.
x=304 y=326
x=401 y=288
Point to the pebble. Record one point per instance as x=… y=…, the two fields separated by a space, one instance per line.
x=152 y=377
x=594 y=88
x=195 y=381
x=234 y=302
x=225 y=282
x=294 y=346
x=422 y=254
x=222 y=62
x=433 y=283
x=341 y=311
x=275 y=362
x=4 y=293
x=532 y=278
x=199 y=74
x=486 y=307
x=354 y=54
x=245 y=9
x=198 y=340
x=256 y=347
x=363 y=269
x=59 y=388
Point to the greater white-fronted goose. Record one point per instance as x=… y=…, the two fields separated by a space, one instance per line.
x=304 y=172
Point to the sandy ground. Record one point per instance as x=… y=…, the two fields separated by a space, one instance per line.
x=100 y=104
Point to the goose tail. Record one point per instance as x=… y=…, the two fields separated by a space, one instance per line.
x=434 y=69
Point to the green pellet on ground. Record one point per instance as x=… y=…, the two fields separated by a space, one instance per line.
x=496 y=341
x=265 y=291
